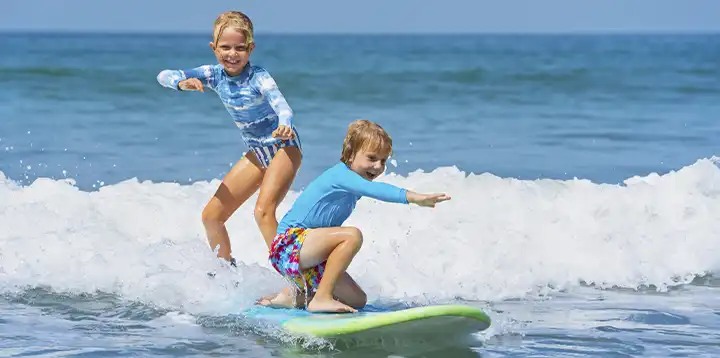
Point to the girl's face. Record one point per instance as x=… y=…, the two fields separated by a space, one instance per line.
x=232 y=51
x=369 y=164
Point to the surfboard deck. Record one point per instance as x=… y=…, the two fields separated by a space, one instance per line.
x=428 y=319
x=435 y=321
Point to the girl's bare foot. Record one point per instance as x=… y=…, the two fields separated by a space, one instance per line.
x=321 y=304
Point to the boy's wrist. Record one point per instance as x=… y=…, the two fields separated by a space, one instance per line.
x=411 y=196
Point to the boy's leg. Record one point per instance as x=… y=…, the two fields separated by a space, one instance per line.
x=337 y=246
x=286 y=298
x=278 y=178
x=239 y=184
x=349 y=292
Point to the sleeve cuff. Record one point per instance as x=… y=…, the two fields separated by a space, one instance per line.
x=285 y=121
x=403 y=193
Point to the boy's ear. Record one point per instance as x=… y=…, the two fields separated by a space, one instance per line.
x=212 y=45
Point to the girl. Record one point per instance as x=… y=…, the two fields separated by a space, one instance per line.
x=259 y=109
x=311 y=248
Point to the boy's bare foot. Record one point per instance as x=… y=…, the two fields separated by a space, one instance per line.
x=282 y=299
x=321 y=304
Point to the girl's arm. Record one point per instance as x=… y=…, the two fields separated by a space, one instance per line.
x=267 y=86
x=171 y=78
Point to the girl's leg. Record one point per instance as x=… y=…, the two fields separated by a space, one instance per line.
x=238 y=185
x=278 y=178
x=337 y=246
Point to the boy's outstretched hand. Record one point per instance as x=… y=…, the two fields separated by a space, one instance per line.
x=191 y=84
x=428 y=200
x=283 y=132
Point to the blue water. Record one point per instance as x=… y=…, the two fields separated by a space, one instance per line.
x=583 y=170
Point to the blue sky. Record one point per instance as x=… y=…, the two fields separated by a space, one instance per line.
x=373 y=16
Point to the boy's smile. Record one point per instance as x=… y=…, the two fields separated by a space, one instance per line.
x=369 y=165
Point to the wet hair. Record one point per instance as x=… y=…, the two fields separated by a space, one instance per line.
x=234 y=20
x=365 y=135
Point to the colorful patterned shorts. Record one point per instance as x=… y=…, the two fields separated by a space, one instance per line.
x=285 y=258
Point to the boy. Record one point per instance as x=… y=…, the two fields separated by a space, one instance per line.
x=311 y=248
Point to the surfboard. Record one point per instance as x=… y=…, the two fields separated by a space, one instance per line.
x=433 y=325
x=411 y=320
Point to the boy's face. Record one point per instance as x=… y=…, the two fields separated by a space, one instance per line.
x=232 y=51
x=369 y=163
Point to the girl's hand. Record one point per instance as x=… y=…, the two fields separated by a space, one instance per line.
x=191 y=84
x=283 y=132
x=428 y=200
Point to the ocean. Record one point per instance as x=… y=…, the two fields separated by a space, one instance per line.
x=584 y=172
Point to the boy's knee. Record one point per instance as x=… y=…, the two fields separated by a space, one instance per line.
x=355 y=237
x=359 y=300
x=362 y=299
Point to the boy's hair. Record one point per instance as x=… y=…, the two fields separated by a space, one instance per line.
x=234 y=20
x=365 y=135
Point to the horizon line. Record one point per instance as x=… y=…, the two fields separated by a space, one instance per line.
x=372 y=33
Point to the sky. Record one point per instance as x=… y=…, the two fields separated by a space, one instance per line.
x=366 y=16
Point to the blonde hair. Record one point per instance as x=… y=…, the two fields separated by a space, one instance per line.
x=365 y=135
x=234 y=20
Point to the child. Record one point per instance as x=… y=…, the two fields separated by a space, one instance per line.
x=311 y=248
x=254 y=101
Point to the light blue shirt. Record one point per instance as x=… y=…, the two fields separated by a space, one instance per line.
x=330 y=199
x=252 y=98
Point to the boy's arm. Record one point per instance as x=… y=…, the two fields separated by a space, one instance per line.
x=171 y=78
x=267 y=86
x=354 y=183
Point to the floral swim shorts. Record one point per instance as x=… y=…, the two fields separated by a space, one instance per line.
x=285 y=258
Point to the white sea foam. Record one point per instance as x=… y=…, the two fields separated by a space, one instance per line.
x=497 y=238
